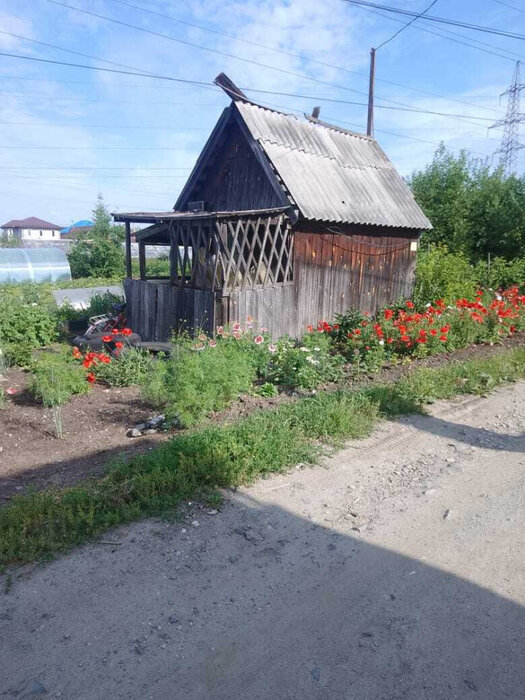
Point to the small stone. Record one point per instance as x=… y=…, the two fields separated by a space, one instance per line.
x=315 y=673
x=133 y=432
x=213 y=512
x=470 y=685
x=451 y=460
x=37 y=688
x=149 y=431
x=173 y=619
x=446 y=514
x=195 y=523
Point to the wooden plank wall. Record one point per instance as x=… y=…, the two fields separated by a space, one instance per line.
x=156 y=309
x=332 y=274
x=236 y=181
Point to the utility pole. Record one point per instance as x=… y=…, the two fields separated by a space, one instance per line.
x=510 y=144
x=370 y=120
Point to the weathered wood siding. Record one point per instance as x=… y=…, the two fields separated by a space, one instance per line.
x=235 y=180
x=331 y=274
x=156 y=309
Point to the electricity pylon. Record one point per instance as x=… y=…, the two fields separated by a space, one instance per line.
x=510 y=144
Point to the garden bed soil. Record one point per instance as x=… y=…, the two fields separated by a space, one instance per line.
x=95 y=425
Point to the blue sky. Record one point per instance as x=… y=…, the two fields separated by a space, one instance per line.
x=68 y=133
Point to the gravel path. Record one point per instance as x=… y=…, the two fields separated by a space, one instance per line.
x=396 y=569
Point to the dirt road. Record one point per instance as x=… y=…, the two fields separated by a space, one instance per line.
x=396 y=569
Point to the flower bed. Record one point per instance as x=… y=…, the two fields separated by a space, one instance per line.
x=404 y=332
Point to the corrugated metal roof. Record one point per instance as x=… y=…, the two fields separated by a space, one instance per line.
x=333 y=175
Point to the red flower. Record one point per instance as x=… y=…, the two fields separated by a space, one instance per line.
x=443 y=338
x=115 y=331
x=76 y=353
x=405 y=338
x=91 y=377
x=389 y=340
x=512 y=329
x=388 y=314
x=357 y=331
x=433 y=331
x=104 y=358
x=119 y=345
x=409 y=304
x=126 y=331
x=87 y=363
x=106 y=339
x=310 y=328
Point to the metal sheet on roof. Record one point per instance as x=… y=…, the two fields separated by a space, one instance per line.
x=333 y=175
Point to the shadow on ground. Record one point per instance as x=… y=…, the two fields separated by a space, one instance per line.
x=258 y=603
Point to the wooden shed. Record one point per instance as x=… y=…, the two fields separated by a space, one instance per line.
x=287 y=219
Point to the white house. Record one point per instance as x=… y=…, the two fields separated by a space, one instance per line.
x=32 y=229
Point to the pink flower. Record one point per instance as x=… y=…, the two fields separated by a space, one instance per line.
x=237 y=335
x=202 y=336
x=236 y=327
x=272 y=348
x=258 y=339
x=249 y=319
x=198 y=346
x=213 y=343
x=264 y=330
x=220 y=330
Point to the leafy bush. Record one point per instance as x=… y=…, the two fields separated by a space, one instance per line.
x=501 y=273
x=202 y=376
x=130 y=367
x=305 y=364
x=24 y=327
x=56 y=377
x=101 y=303
x=443 y=275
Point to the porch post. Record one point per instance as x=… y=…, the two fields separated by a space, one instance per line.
x=142 y=260
x=128 y=250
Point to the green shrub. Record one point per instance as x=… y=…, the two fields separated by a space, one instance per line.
x=443 y=275
x=24 y=327
x=198 y=378
x=305 y=364
x=56 y=377
x=99 y=304
x=131 y=367
x=501 y=273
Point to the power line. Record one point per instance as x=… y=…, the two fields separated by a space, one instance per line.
x=444 y=34
x=304 y=76
x=512 y=7
x=106 y=70
x=431 y=18
x=405 y=26
x=251 y=43
x=115 y=126
x=161 y=77
x=77 y=53
x=216 y=51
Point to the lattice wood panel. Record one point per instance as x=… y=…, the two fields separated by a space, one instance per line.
x=236 y=253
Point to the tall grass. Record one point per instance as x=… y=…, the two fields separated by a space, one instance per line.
x=40 y=524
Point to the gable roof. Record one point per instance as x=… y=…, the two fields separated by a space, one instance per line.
x=332 y=174
x=327 y=173
x=31 y=222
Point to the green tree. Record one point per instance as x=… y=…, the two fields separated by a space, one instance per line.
x=9 y=241
x=474 y=210
x=99 y=253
